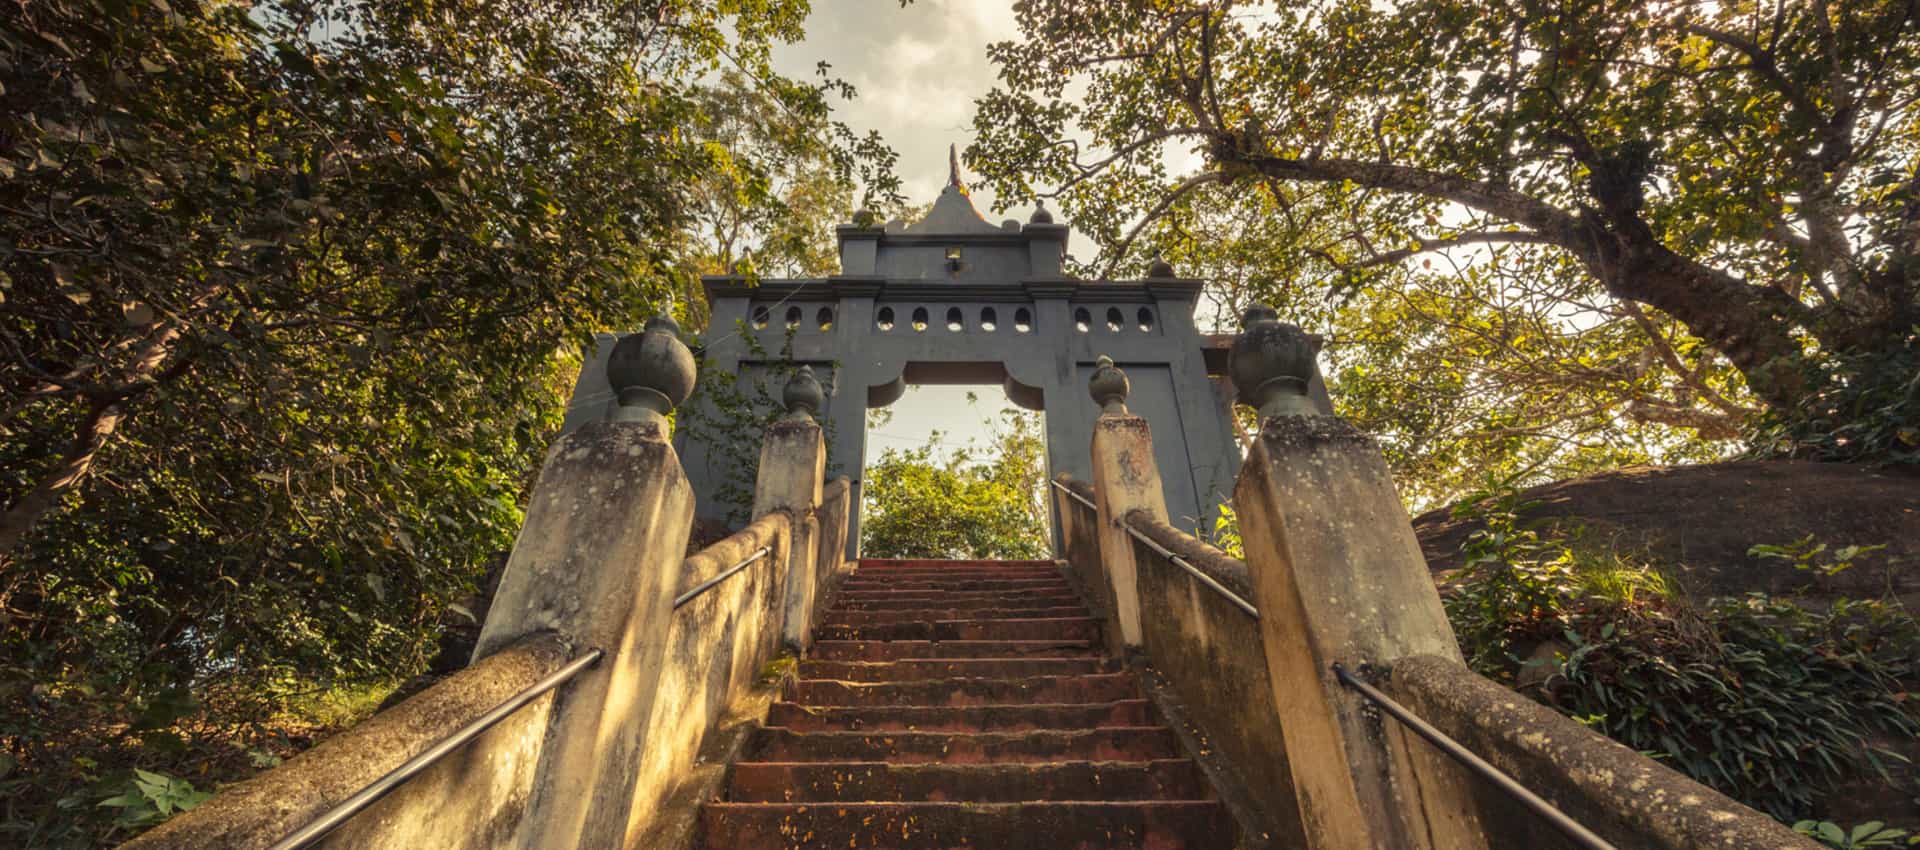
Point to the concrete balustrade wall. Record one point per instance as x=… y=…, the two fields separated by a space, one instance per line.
x=1081 y=551
x=830 y=559
x=605 y=761
x=473 y=799
x=1209 y=652
x=718 y=643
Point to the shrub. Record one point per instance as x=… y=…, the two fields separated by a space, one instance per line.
x=1766 y=701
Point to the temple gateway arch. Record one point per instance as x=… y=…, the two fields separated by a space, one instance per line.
x=955 y=299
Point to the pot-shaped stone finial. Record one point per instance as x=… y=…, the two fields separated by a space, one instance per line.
x=651 y=372
x=1159 y=268
x=1041 y=215
x=803 y=396
x=1109 y=387
x=1270 y=363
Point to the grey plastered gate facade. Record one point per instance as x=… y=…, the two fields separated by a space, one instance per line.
x=954 y=299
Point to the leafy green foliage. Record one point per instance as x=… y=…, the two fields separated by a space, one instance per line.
x=1871 y=410
x=1811 y=555
x=289 y=292
x=968 y=503
x=1536 y=235
x=1870 y=834
x=151 y=798
x=1771 y=703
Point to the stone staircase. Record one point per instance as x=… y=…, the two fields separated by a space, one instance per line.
x=951 y=704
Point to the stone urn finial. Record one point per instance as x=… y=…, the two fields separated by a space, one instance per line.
x=1109 y=387
x=1270 y=363
x=651 y=372
x=1159 y=268
x=803 y=396
x=1041 y=215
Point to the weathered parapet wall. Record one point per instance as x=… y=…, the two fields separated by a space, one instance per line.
x=1627 y=798
x=1209 y=652
x=717 y=645
x=830 y=558
x=599 y=563
x=1082 y=551
x=468 y=801
x=1334 y=579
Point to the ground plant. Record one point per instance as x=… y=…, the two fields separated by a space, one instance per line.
x=1771 y=702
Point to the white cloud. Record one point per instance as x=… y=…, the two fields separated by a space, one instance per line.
x=918 y=70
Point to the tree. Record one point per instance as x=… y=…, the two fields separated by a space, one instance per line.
x=283 y=287
x=1466 y=367
x=1747 y=171
x=778 y=218
x=923 y=503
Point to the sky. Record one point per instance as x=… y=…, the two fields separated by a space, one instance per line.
x=918 y=70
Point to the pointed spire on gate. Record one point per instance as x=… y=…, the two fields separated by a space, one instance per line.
x=953 y=169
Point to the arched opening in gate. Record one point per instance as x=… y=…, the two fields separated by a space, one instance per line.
x=955 y=466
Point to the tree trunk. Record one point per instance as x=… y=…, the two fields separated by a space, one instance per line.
x=1751 y=325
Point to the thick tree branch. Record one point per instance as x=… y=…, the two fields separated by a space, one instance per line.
x=1556 y=225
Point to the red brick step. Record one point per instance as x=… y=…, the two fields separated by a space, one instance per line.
x=877 y=650
x=963 y=704
x=915 y=563
x=969 y=718
x=998 y=585
x=952 y=668
x=810 y=782
x=1123 y=743
x=858 y=618
x=955 y=601
x=1101 y=687
x=1057 y=628
x=1132 y=825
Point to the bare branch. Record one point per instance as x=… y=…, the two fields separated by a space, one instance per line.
x=1159 y=209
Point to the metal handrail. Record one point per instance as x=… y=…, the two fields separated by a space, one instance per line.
x=319 y=827
x=1559 y=819
x=1076 y=496
x=1176 y=560
x=707 y=585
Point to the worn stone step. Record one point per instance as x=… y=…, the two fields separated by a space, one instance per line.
x=993 y=585
x=1059 y=628
x=954 y=602
x=885 y=650
x=925 y=615
x=972 y=718
x=1082 y=825
x=950 y=595
x=1099 y=687
x=913 y=669
x=917 y=563
x=811 y=782
x=957 y=572
x=1120 y=743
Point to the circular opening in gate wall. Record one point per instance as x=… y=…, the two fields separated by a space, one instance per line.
x=1082 y=320
x=1114 y=320
x=955 y=322
x=825 y=318
x=884 y=319
x=761 y=316
x=1146 y=320
x=793 y=318
x=989 y=320
x=1023 y=320
x=919 y=319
